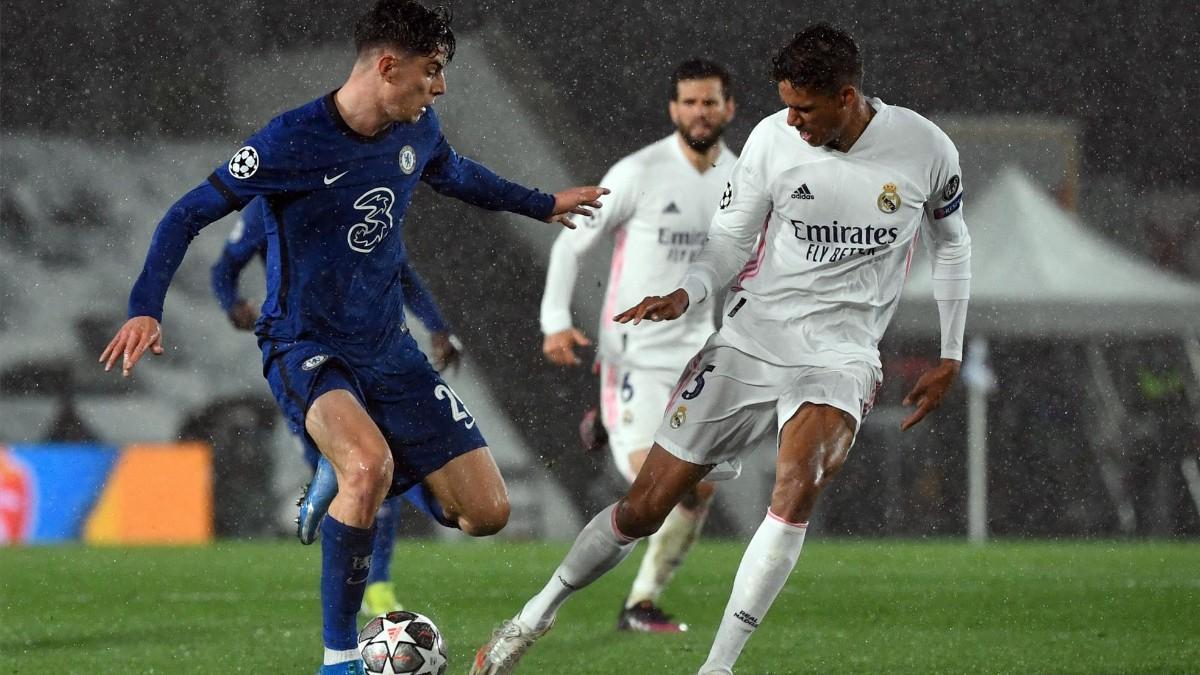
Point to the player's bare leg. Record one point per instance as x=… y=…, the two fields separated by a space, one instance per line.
x=813 y=446
x=472 y=493
x=604 y=542
x=665 y=552
x=360 y=456
x=362 y=461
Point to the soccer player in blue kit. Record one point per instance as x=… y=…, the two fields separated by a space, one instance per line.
x=337 y=175
x=247 y=241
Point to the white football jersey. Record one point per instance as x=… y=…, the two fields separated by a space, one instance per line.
x=821 y=283
x=659 y=213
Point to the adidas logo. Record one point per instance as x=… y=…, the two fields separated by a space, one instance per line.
x=671 y=208
x=803 y=192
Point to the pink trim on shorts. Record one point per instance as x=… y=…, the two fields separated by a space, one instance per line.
x=617 y=531
x=608 y=394
x=754 y=264
x=869 y=403
x=688 y=374
x=801 y=526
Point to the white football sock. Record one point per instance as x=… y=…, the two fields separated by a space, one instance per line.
x=765 y=567
x=665 y=551
x=597 y=549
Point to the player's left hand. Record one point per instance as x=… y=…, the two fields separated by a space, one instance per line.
x=575 y=201
x=243 y=315
x=930 y=389
x=447 y=352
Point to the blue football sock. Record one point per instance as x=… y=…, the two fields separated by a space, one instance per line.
x=385 y=539
x=421 y=497
x=345 y=564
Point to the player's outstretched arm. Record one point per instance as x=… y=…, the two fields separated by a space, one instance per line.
x=131 y=342
x=656 y=308
x=559 y=347
x=575 y=201
x=930 y=389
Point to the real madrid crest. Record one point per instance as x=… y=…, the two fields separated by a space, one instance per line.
x=408 y=159
x=679 y=417
x=889 y=199
x=627 y=418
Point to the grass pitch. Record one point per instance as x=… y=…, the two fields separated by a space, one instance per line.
x=853 y=607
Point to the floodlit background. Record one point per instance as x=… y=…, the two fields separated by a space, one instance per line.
x=1081 y=397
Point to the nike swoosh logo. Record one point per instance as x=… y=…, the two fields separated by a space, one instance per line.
x=331 y=181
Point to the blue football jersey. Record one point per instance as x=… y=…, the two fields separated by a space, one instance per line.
x=334 y=202
x=249 y=240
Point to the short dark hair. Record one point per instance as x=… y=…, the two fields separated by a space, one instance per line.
x=820 y=58
x=405 y=25
x=700 y=69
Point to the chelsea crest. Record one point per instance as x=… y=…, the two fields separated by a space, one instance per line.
x=408 y=159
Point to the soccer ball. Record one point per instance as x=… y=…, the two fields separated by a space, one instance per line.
x=402 y=643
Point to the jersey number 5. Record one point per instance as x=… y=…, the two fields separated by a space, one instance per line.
x=457 y=408
x=689 y=395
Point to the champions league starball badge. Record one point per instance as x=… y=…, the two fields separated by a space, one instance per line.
x=408 y=159
x=889 y=199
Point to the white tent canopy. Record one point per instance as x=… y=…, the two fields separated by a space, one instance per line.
x=1037 y=271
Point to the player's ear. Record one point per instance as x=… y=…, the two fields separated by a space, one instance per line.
x=730 y=108
x=849 y=96
x=384 y=64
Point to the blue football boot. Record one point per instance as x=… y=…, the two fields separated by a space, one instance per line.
x=345 y=668
x=314 y=502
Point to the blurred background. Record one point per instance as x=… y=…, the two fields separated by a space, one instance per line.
x=1079 y=411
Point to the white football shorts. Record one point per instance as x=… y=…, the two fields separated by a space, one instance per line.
x=632 y=402
x=726 y=399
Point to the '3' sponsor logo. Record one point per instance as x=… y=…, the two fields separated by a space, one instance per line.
x=377 y=205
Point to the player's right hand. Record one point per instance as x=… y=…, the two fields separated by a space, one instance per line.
x=656 y=308
x=243 y=315
x=560 y=347
x=131 y=342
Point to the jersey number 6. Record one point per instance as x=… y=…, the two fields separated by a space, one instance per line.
x=689 y=395
x=457 y=408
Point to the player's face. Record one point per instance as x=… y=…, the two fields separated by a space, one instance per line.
x=411 y=83
x=700 y=111
x=821 y=119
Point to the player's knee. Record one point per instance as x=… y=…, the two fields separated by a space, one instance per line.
x=488 y=522
x=366 y=474
x=637 y=521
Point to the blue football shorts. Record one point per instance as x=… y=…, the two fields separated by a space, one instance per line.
x=423 y=421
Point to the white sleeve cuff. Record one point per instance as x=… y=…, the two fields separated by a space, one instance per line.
x=952 y=314
x=696 y=290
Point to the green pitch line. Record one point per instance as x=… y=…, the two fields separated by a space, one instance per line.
x=853 y=607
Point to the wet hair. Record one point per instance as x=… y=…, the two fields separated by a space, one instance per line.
x=821 y=59
x=405 y=25
x=700 y=69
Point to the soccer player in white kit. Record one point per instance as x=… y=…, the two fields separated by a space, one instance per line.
x=663 y=199
x=838 y=186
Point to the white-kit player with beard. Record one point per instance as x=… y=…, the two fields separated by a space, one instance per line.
x=663 y=199
x=834 y=190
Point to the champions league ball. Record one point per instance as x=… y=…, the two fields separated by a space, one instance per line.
x=402 y=643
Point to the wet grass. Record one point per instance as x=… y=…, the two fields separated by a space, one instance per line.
x=853 y=607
